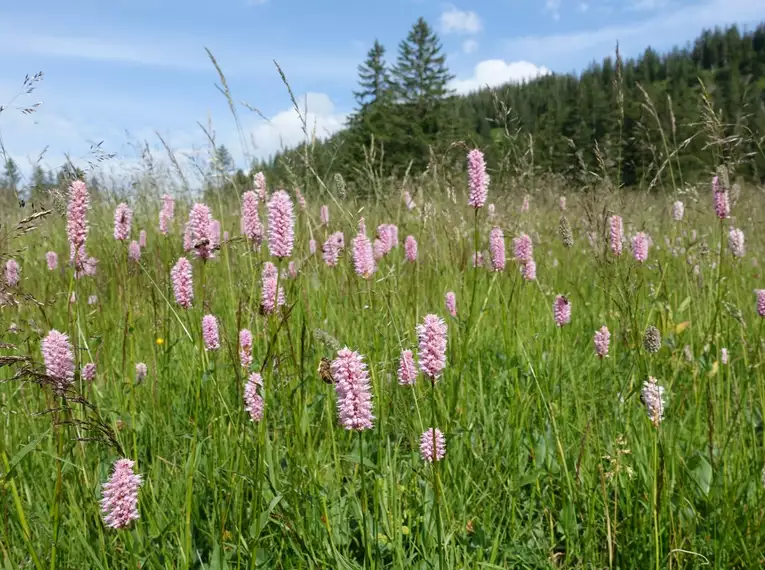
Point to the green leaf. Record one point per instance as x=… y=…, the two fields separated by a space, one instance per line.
x=701 y=472
x=23 y=453
x=265 y=515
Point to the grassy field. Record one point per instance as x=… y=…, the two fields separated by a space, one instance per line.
x=552 y=460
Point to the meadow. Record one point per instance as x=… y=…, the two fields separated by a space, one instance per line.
x=639 y=448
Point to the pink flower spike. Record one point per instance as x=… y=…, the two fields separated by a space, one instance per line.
x=324 y=215
x=410 y=249
x=183 y=285
x=76 y=215
x=529 y=270
x=601 y=340
x=616 y=234
x=736 y=242
x=432 y=445
x=210 y=332
x=88 y=372
x=199 y=231
x=760 y=293
x=142 y=239
x=166 y=213
x=523 y=249
x=640 y=247
x=363 y=254
x=119 y=505
x=251 y=226
x=52 y=260
x=332 y=248
x=281 y=225
x=245 y=348
x=259 y=183
x=134 y=251
x=123 y=217
x=407 y=372
x=59 y=360
x=497 y=249
x=269 y=298
x=432 y=346
x=12 y=272
x=141 y=371
x=378 y=249
x=253 y=400
x=354 y=395
x=478 y=180
x=450 y=300
x=721 y=199
x=562 y=310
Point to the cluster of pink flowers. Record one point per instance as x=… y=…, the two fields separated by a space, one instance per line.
x=410 y=249
x=615 y=234
x=523 y=252
x=478 y=179
x=602 y=340
x=760 y=294
x=281 y=225
x=12 y=270
x=324 y=215
x=76 y=216
x=142 y=238
x=253 y=400
x=269 y=298
x=450 y=301
x=166 y=213
x=252 y=229
x=721 y=199
x=736 y=242
x=119 y=504
x=562 y=310
x=354 y=394
x=259 y=184
x=529 y=270
x=432 y=445
x=363 y=254
x=653 y=398
x=214 y=234
x=477 y=259
x=141 y=371
x=134 y=251
x=407 y=372
x=640 y=243
x=198 y=232
x=58 y=357
x=83 y=263
x=51 y=258
x=183 y=285
x=388 y=236
x=432 y=346
x=245 y=347
x=332 y=248
x=210 y=332
x=497 y=248
x=88 y=372
x=123 y=217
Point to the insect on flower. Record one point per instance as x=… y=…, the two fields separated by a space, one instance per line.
x=325 y=370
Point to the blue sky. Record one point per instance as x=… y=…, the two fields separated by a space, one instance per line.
x=120 y=70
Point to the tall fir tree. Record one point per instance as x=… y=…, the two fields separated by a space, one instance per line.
x=374 y=79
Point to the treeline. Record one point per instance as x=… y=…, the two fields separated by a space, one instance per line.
x=659 y=120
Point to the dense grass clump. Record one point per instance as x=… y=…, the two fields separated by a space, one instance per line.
x=225 y=383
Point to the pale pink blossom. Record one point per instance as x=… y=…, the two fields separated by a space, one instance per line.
x=432 y=346
x=478 y=179
x=123 y=217
x=432 y=445
x=119 y=504
x=354 y=394
x=407 y=372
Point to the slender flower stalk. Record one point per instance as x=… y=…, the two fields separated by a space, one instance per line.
x=119 y=504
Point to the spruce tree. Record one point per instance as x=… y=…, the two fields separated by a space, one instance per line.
x=374 y=79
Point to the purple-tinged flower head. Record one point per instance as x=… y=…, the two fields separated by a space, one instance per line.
x=354 y=394
x=92 y=300
x=210 y=332
x=363 y=254
x=166 y=213
x=497 y=249
x=84 y=264
x=300 y=200
x=281 y=225
x=678 y=211
x=407 y=371
x=52 y=259
x=88 y=372
x=312 y=246
x=12 y=270
x=721 y=199
x=491 y=210
x=292 y=269
x=253 y=400
x=529 y=270
x=388 y=235
x=478 y=180
x=134 y=251
x=450 y=301
x=324 y=215
x=653 y=399
x=602 y=340
x=477 y=259
x=199 y=232
x=269 y=299
x=183 y=284
x=432 y=346
x=187 y=245
x=119 y=505
x=432 y=445
x=562 y=203
x=378 y=249
x=408 y=202
x=525 y=204
x=123 y=218
x=77 y=214
x=640 y=247
x=259 y=184
x=245 y=347
x=142 y=238
x=251 y=226
x=760 y=293
x=59 y=359
x=736 y=242
x=562 y=310
x=141 y=372
x=724 y=355
x=523 y=249
x=410 y=249
x=615 y=234
x=332 y=248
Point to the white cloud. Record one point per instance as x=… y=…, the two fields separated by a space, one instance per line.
x=469 y=46
x=553 y=6
x=454 y=21
x=495 y=72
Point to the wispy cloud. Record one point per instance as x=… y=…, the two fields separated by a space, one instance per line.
x=454 y=21
x=495 y=72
